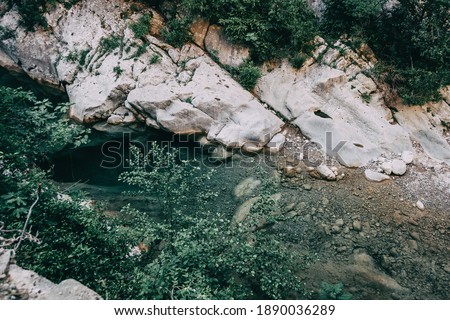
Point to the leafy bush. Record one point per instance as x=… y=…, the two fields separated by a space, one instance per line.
x=176 y=33
x=248 y=75
x=142 y=26
x=333 y=292
x=155 y=58
x=298 y=60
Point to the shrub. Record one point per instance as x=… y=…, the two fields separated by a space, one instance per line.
x=117 y=71
x=175 y=32
x=155 y=58
x=298 y=60
x=333 y=292
x=142 y=26
x=248 y=75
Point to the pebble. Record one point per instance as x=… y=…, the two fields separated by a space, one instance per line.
x=408 y=157
x=357 y=225
x=387 y=167
x=413 y=244
x=415 y=236
x=341 y=249
x=420 y=205
x=307 y=187
x=398 y=167
x=339 y=222
x=335 y=229
x=375 y=176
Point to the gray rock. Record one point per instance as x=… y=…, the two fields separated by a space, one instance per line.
x=339 y=222
x=408 y=157
x=375 y=176
x=325 y=172
x=299 y=94
x=387 y=167
x=4 y=261
x=398 y=167
x=276 y=143
x=70 y=290
x=229 y=54
x=357 y=225
x=420 y=205
x=307 y=187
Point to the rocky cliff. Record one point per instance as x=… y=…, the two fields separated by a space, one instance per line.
x=119 y=83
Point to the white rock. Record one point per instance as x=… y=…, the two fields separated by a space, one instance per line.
x=276 y=143
x=375 y=176
x=387 y=167
x=297 y=95
x=398 y=167
x=408 y=157
x=326 y=172
x=420 y=205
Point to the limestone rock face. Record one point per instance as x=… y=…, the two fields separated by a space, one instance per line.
x=116 y=81
x=227 y=53
x=334 y=96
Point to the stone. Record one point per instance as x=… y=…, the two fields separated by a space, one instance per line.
x=415 y=236
x=398 y=167
x=246 y=187
x=325 y=173
x=243 y=210
x=420 y=205
x=199 y=28
x=307 y=187
x=387 y=167
x=70 y=290
x=408 y=157
x=4 y=261
x=339 y=222
x=375 y=176
x=413 y=245
x=417 y=123
x=226 y=52
x=276 y=143
x=357 y=226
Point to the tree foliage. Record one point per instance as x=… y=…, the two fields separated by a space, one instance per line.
x=411 y=37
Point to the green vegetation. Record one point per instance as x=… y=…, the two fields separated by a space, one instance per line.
x=190 y=252
x=176 y=32
x=271 y=29
x=196 y=253
x=333 y=292
x=155 y=58
x=117 y=71
x=5 y=33
x=142 y=26
x=366 y=97
x=31 y=11
x=78 y=57
x=248 y=75
x=298 y=60
x=111 y=43
x=411 y=39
